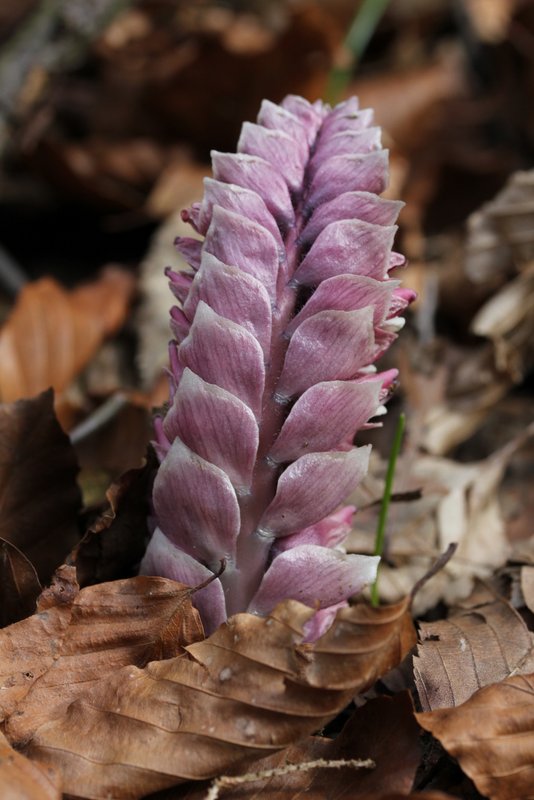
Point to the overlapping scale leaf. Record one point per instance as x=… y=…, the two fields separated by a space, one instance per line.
x=196 y=506
x=331 y=345
x=326 y=417
x=234 y=295
x=312 y=487
x=216 y=425
x=224 y=353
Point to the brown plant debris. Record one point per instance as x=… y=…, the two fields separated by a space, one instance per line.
x=471 y=649
x=76 y=638
x=39 y=496
x=248 y=690
x=21 y=779
x=52 y=333
x=492 y=736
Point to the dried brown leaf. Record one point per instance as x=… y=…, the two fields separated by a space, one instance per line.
x=470 y=650
x=39 y=496
x=21 y=779
x=115 y=543
x=77 y=637
x=52 y=333
x=492 y=736
x=383 y=730
x=248 y=690
x=19 y=585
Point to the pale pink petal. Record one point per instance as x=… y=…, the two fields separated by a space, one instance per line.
x=354 y=121
x=326 y=417
x=400 y=300
x=309 y=116
x=239 y=200
x=180 y=324
x=278 y=118
x=330 y=346
x=239 y=242
x=321 y=621
x=345 y=143
x=368 y=172
x=226 y=354
x=258 y=175
x=328 y=532
x=316 y=576
x=164 y=559
x=232 y=294
x=196 y=506
x=347 y=293
x=313 y=487
x=216 y=425
x=179 y=283
x=190 y=249
x=276 y=147
x=351 y=205
x=349 y=246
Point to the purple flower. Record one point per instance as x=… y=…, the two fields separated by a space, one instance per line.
x=285 y=309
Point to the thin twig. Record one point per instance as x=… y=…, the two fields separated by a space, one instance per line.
x=12 y=277
x=229 y=781
x=100 y=417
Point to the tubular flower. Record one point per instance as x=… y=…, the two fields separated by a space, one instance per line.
x=285 y=309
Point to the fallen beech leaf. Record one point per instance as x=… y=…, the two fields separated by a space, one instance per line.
x=492 y=736
x=21 y=779
x=470 y=650
x=39 y=497
x=248 y=690
x=115 y=543
x=52 y=333
x=77 y=637
x=19 y=585
x=383 y=730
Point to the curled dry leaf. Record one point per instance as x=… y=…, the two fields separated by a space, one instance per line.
x=21 y=779
x=53 y=333
x=115 y=543
x=492 y=736
x=471 y=649
x=78 y=637
x=250 y=689
x=39 y=497
x=19 y=585
x=383 y=730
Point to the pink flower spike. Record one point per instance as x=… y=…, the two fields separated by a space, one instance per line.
x=287 y=306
